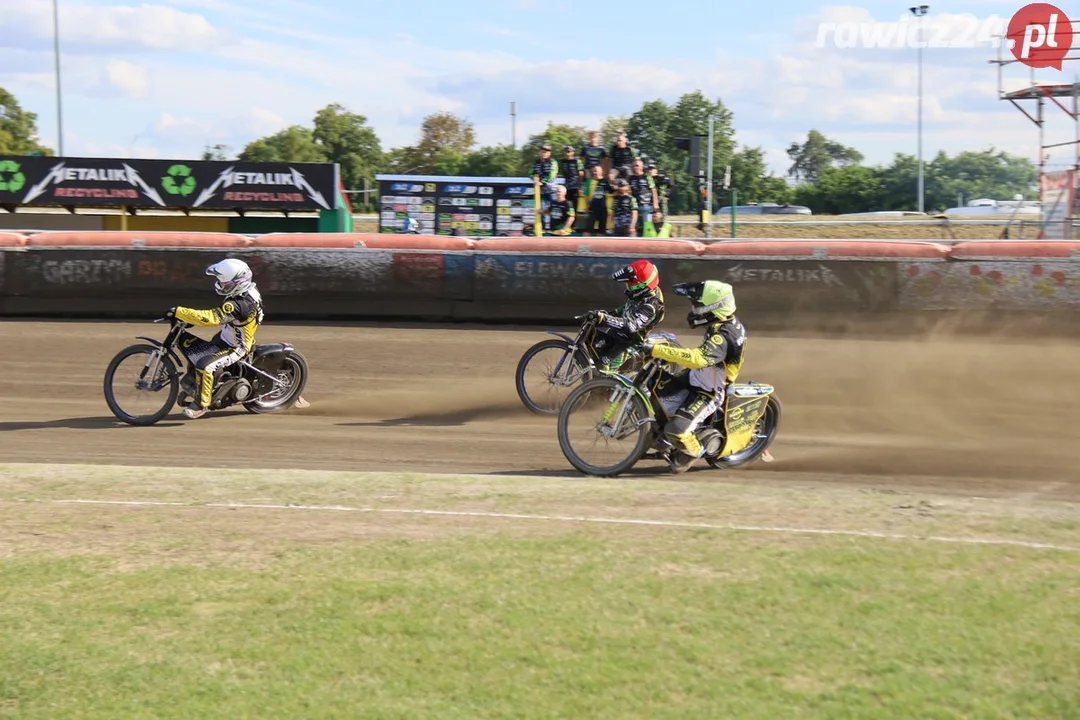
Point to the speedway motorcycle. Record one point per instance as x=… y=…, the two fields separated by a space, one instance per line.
x=616 y=410
x=269 y=379
x=563 y=361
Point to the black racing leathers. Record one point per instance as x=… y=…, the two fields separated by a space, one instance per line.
x=627 y=326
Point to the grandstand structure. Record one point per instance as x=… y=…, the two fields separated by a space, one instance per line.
x=1053 y=106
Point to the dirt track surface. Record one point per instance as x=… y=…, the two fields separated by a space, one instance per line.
x=975 y=417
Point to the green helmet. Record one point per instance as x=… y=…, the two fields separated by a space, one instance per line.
x=711 y=301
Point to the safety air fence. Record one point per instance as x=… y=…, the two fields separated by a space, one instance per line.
x=519 y=279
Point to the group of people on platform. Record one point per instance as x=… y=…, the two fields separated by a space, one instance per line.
x=602 y=193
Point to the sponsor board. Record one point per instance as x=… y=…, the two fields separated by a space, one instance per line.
x=166 y=184
x=479 y=207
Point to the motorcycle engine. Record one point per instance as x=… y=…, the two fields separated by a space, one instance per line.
x=710 y=439
x=242 y=390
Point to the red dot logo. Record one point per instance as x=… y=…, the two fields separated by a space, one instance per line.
x=1040 y=35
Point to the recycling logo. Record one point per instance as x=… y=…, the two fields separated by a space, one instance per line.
x=11 y=178
x=178 y=181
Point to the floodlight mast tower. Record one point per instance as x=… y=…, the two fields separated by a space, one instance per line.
x=1059 y=218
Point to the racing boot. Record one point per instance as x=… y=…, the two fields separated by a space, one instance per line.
x=688 y=451
x=194 y=412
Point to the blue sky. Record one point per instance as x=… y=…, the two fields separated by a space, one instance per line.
x=164 y=78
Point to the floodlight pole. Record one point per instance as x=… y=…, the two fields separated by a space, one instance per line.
x=59 y=104
x=920 y=12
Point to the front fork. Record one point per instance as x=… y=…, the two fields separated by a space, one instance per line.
x=619 y=400
x=152 y=370
x=568 y=357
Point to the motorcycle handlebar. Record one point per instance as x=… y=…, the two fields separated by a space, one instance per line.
x=172 y=321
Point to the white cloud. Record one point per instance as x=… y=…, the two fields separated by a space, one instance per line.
x=181 y=126
x=265 y=122
x=128 y=77
x=111 y=27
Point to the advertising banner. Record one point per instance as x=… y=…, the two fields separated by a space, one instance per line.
x=167 y=184
x=1057 y=193
x=477 y=206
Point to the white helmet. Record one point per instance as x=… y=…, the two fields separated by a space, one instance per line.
x=233 y=277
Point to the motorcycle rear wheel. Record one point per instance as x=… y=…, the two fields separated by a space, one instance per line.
x=603 y=389
x=165 y=377
x=764 y=434
x=295 y=371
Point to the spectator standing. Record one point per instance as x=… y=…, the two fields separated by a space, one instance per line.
x=560 y=213
x=592 y=154
x=621 y=155
x=597 y=192
x=662 y=183
x=657 y=227
x=624 y=210
x=644 y=192
x=572 y=176
x=545 y=170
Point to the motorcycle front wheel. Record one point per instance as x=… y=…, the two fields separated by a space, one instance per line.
x=604 y=428
x=558 y=370
x=150 y=382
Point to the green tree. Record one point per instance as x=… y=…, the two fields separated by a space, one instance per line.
x=811 y=158
x=214 y=152
x=975 y=174
x=293 y=144
x=647 y=131
x=450 y=162
x=899 y=183
x=441 y=133
x=844 y=189
x=610 y=128
x=18 y=128
x=496 y=161
x=345 y=138
x=557 y=136
x=752 y=179
x=690 y=116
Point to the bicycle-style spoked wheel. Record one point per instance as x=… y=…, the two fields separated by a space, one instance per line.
x=141 y=385
x=546 y=374
x=604 y=427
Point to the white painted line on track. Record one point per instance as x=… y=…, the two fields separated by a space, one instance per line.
x=577 y=519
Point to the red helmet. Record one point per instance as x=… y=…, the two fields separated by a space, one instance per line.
x=641 y=278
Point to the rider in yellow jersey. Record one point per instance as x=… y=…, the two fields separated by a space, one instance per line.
x=708 y=368
x=239 y=316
